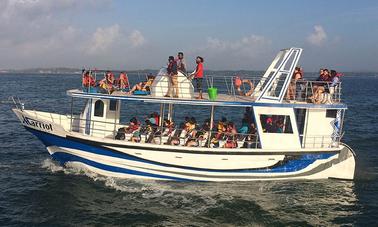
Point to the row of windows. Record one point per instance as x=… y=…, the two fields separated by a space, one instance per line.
x=99 y=107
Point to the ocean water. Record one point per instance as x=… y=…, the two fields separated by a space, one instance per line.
x=34 y=190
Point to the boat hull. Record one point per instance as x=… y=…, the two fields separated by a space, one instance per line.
x=115 y=161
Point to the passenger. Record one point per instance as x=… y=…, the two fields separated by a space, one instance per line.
x=191 y=133
x=291 y=92
x=206 y=126
x=245 y=127
x=88 y=80
x=136 y=136
x=321 y=87
x=335 y=81
x=221 y=128
x=198 y=76
x=110 y=77
x=123 y=81
x=231 y=129
x=250 y=140
x=315 y=85
x=169 y=126
x=142 y=86
x=151 y=118
x=191 y=126
x=269 y=127
x=181 y=65
x=326 y=76
x=203 y=133
x=183 y=128
x=321 y=75
x=150 y=130
x=231 y=135
x=300 y=85
x=133 y=125
x=173 y=78
x=252 y=128
x=150 y=80
x=106 y=84
x=279 y=126
x=137 y=87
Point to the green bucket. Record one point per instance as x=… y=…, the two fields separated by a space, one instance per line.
x=213 y=93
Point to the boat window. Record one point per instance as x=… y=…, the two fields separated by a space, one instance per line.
x=113 y=105
x=300 y=115
x=331 y=113
x=276 y=123
x=99 y=108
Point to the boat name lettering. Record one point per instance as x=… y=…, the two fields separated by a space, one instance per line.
x=37 y=124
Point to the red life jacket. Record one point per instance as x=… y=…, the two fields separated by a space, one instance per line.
x=88 y=80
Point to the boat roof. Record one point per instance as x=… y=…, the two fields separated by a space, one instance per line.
x=222 y=100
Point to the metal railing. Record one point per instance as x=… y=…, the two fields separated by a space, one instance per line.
x=320 y=141
x=317 y=92
x=235 y=87
x=166 y=136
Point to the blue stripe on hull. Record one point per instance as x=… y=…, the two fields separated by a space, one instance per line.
x=288 y=166
x=65 y=157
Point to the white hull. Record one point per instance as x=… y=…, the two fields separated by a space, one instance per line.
x=135 y=160
x=338 y=166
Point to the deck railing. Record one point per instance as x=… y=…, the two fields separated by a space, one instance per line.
x=320 y=141
x=317 y=92
x=307 y=91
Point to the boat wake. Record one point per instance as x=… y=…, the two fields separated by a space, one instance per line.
x=247 y=202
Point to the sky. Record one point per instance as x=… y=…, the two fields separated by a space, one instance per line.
x=228 y=34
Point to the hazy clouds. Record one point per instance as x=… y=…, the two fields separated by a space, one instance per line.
x=114 y=34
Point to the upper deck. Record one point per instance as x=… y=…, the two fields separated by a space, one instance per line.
x=275 y=88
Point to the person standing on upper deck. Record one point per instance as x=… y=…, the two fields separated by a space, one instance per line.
x=173 y=77
x=198 y=76
x=181 y=65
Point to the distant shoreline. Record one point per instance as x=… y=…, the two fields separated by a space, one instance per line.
x=69 y=71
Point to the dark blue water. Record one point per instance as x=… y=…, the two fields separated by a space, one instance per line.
x=36 y=191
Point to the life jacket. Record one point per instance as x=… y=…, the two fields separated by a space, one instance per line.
x=88 y=81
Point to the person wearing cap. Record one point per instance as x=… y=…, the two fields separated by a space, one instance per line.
x=173 y=77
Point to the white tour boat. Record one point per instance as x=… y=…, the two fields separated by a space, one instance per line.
x=305 y=145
